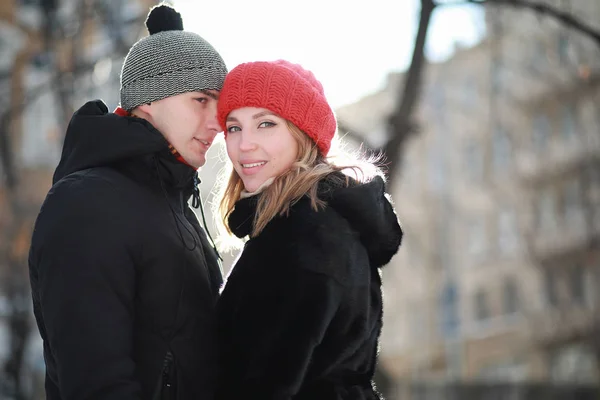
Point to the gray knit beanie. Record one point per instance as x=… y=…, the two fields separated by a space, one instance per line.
x=168 y=62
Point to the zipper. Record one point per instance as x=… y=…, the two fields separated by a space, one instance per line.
x=166 y=372
x=164 y=384
x=196 y=192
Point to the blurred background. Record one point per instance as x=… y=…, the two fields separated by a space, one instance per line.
x=488 y=113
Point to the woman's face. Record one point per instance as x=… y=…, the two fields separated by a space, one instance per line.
x=259 y=144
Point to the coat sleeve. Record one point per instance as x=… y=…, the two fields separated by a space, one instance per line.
x=85 y=293
x=277 y=323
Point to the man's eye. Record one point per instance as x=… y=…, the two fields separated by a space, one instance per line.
x=201 y=99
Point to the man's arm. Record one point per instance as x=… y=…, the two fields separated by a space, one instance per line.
x=86 y=289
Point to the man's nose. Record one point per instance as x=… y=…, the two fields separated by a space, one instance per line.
x=212 y=123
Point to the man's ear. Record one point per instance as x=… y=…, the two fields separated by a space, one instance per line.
x=143 y=111
x=145 y=108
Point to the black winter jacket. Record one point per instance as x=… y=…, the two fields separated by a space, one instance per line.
x=301 y=311
x=124 y=281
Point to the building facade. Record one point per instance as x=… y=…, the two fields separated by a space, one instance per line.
x=499 y=198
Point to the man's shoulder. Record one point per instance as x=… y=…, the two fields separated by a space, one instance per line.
x=93 y=188
x=89 y=177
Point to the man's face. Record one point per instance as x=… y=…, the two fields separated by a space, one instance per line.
x=189 y=123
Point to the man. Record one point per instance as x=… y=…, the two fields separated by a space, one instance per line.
x=124 y=280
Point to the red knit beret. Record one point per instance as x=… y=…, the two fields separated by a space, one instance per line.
x=284 y=88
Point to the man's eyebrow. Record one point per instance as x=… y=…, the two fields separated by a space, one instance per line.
x=210 y=94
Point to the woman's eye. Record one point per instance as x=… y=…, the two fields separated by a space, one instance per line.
x=266 y=124
x=233 y=128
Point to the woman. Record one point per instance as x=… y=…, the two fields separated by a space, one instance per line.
x=301 y=312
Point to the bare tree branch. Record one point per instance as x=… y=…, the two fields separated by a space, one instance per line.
x=564 y=17
x=401 y=124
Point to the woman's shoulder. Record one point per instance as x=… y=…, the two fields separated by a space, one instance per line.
x=305 y=221
x=307 y=227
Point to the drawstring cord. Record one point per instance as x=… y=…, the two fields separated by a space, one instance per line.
x=197 y=203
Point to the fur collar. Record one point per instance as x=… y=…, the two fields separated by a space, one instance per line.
x=364 y=205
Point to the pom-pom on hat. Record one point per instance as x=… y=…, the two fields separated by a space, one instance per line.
x=168 y=62
x=284 y=88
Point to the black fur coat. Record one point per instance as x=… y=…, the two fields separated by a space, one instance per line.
x=301 y=313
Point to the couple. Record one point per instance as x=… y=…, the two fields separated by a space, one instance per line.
x=126 y=285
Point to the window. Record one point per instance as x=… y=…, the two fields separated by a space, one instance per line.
x=562 y=48
x=477 y=241
x=568 y=122
x=539 y=56
x=577 y=285
x=482 y=311
x=501 y=150
x=551 y=290
x=449 y=310
x=496 y=76
x=546 y=211
x=541 y=132
x=510 y=297
x=572 y=201
x=473 y=161
x=507 y=231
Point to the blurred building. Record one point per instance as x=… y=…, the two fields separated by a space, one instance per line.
x=499 y=196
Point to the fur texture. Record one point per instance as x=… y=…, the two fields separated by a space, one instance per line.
x=301 y=313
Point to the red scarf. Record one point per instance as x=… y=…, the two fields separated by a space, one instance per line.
x=124 y=113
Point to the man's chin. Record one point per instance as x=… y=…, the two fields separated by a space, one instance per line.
x=199 y=163
x=196 y=162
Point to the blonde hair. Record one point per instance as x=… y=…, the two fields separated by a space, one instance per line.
x=302 y=179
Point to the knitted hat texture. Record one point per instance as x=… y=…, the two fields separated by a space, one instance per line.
x=168 y=62
x=284 y=88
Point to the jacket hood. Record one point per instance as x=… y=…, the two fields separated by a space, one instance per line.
x=366 y=207
x=96 y=138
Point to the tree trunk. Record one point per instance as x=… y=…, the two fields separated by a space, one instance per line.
x=401 y=123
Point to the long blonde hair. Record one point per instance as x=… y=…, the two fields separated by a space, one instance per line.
x=302 y=179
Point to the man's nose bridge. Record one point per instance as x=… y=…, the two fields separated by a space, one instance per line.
x=212 y=115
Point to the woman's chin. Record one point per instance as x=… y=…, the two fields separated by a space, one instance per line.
x=252 y=186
